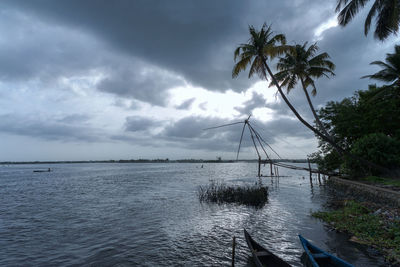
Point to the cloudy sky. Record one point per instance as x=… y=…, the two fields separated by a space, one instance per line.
x=86 y=79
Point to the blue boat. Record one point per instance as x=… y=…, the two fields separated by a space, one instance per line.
x=321 y=258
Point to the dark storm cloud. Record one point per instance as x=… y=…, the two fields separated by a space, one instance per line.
x=32 y=53
x=148 y=85
x=47 y=129
x=195 y=39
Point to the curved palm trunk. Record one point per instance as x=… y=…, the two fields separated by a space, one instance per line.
x=314 y=112
x=325 y=138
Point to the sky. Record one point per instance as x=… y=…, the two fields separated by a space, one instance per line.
x=100 y=80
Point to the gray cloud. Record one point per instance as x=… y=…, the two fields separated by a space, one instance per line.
x=148 y=85
x=188 y=132
x=140 y=124
x=49 y=130
x=256 y=101
x=74 y=118
x=186 y=104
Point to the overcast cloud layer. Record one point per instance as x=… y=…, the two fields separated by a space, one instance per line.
x=141 y=79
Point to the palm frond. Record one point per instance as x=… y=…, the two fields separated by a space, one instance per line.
x=349 y=10
x=240 y=66
x=311 y=50
x=370 y=15
x=387 y=20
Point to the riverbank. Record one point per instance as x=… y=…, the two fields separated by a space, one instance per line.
x=370 y=214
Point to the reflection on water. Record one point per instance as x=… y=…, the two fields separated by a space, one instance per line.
x=149 y=214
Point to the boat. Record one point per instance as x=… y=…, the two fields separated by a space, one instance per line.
x=262 y=256
x=48 y=170
x=321 y=258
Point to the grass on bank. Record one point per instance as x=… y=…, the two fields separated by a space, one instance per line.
x=369 y=228
x=381 y=180
x=218 y=192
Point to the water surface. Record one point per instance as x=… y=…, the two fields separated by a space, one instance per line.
x=149 y=215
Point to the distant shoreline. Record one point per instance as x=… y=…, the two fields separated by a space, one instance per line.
x=148 y=161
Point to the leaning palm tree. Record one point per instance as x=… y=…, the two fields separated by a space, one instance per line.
x=387 y=13
x=302 y=65
x=390 y=72
x=263 y=46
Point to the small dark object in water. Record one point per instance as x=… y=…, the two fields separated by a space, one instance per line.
x=262 y=256
x=48 y=170
x=321 y=258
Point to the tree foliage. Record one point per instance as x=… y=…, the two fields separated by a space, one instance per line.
x=376 y=147
x=368 y=125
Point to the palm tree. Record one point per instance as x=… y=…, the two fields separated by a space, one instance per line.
x=263 y=45
x=387 y=13
x=301 y=64
x=390 y=72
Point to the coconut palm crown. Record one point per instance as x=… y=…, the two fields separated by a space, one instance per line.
x=386 y=13
x=301 y=64
x=390 y=72
x=262 y=46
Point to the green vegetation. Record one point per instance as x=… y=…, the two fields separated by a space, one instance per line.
x=218 y=192
x=367 y=227
x=367 y=125
x=381 y=180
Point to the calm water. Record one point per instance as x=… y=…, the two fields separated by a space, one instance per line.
x=149 y=215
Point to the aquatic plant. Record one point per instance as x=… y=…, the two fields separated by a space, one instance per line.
x=369 y=227
x=218 y=192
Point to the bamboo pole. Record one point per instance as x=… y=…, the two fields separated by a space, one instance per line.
x=233 y=251
x=270 y=166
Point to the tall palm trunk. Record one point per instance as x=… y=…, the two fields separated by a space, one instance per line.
x=321 y=126
x=325 y=138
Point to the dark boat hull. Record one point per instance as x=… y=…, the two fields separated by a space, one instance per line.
x=321 y=258
x=262 y=256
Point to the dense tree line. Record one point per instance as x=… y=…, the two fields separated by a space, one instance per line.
x=366 y=124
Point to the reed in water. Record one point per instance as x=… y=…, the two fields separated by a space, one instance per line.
x=218 y=192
